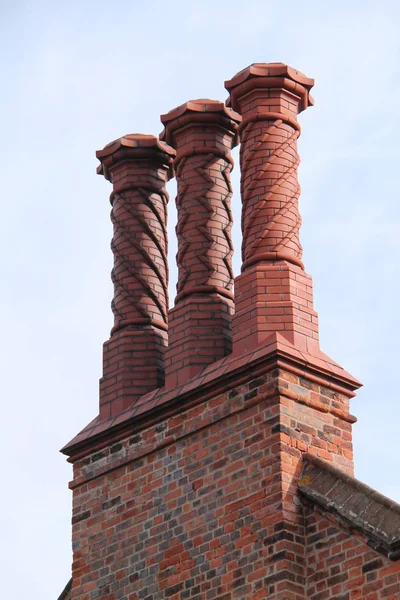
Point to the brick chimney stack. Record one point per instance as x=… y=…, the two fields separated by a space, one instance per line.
x=273 y=293
x=203 y=133
x=234 y=478
x=133 y=358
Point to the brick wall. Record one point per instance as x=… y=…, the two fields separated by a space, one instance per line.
x=342 y=566
x=201 y=504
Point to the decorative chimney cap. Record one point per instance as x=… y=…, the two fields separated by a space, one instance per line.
x=132 y=146
x=202 y=110
x=272 y=75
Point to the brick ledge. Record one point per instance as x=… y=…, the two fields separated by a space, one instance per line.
x=214 y=379
x=353 y=503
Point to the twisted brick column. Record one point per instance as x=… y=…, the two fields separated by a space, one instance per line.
x=273 y=283
x=203 y=133
x=270 y=219
x=138 y=167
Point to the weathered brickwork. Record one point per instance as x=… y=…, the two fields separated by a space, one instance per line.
x=342 y=566
x=194 y=506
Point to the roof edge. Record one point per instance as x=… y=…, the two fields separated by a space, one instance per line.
x=376 y=516
x=65 y=594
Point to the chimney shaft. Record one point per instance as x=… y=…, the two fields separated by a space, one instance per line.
x=273 y=293
x=203 y=133
x=133 y=359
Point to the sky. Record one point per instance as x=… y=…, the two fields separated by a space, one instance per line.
x=76 y=75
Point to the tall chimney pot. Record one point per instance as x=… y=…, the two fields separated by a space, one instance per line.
x=203 y=133
x=133 y=359
x=273 y=293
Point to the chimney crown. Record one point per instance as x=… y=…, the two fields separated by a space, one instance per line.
x=202 y=110
x=132 y=146
x=269 y=75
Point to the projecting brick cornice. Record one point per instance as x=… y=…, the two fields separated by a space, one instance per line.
x=133 y=145
x=278 y=75
x=218 y=378
x=353 y=503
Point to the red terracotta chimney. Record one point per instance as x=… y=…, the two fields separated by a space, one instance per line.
x=133 y=358
x=203 y=133
x=273 y=293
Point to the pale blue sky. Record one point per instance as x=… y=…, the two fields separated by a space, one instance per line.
x=76 y=75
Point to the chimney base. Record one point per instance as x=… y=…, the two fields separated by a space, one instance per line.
x=133 y=364
x=200 y=332
x=274 y=296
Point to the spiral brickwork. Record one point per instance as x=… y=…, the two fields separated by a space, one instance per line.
x=203 y=133
x=139 y=167
x=204 y=223
x=269 y=96
x=134 y=357
x=140 y=272
x=270 y=190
